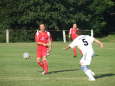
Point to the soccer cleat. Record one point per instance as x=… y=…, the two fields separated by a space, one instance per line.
x=44 y=73
x=74 y=56
x=91 y=79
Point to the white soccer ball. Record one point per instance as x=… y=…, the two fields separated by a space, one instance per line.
x=26 y=55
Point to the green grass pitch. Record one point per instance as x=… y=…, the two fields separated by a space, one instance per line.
x=64 y=69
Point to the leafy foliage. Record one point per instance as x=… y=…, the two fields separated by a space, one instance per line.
x=56 y=14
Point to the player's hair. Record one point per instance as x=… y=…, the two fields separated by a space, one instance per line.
x=79 y=32
x=42 y=24
x=73 y=24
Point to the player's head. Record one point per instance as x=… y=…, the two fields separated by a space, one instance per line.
x=74 y=25
x=42 y=27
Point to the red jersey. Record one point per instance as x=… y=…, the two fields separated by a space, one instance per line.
x=73 y=32
x=43 y=37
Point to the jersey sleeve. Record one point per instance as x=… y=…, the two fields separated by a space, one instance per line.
x=73 y=44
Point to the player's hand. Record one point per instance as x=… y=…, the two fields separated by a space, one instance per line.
x=66 y=48
x=69 y=36
x=102 y=46
x=49 y=50
x=45 y=44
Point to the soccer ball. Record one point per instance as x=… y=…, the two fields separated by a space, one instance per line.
x=26 y=55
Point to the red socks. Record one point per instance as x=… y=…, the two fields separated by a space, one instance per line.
x=81 y=52
x=75 y=51
x=44 y=65
x=41 y=65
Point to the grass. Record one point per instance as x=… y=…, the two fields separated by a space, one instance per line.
x=64 y=69
x=109 y=38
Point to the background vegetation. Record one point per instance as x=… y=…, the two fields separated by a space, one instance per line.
x=58 y=14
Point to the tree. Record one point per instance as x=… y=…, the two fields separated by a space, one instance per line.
x=57 y=14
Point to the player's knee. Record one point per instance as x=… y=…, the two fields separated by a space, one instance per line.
x=38 y=60
x=44 y=58
x=84 y=68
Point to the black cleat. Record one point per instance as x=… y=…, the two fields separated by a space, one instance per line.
x=74 y=56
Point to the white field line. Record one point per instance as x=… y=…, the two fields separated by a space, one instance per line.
x=110 y=48
x=106 y=47
x=42 y=78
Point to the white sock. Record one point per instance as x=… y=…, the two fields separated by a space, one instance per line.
x=92 y=72
x=89 y=74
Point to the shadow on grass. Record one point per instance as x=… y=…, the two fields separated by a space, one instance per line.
x=66 y=70
x=104 y=75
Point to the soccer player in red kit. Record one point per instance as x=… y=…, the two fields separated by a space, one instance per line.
x=73 y=34
x=43 y=41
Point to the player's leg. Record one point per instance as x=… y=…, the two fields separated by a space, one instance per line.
x=44 y=60
x=81 y=52
x=40 y=63
x=86 y=60
x=74 y=49
x=75 y=52
x=39 y=56
x=88 y=72
x=92 y=72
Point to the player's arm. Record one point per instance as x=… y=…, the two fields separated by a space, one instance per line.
x=69 y=35
x=67 y=47
x=50 y=43
x=73 y=44
x=99 y=43
x=41 y=43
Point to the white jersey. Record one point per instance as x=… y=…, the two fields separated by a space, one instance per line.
x=84 y=43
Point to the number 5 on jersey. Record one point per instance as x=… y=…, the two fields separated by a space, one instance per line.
x=85 y=42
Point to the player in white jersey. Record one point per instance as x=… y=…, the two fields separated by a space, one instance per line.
x=84 y=43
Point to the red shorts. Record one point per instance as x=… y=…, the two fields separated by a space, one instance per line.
x=41 y=51
x=74 y=36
